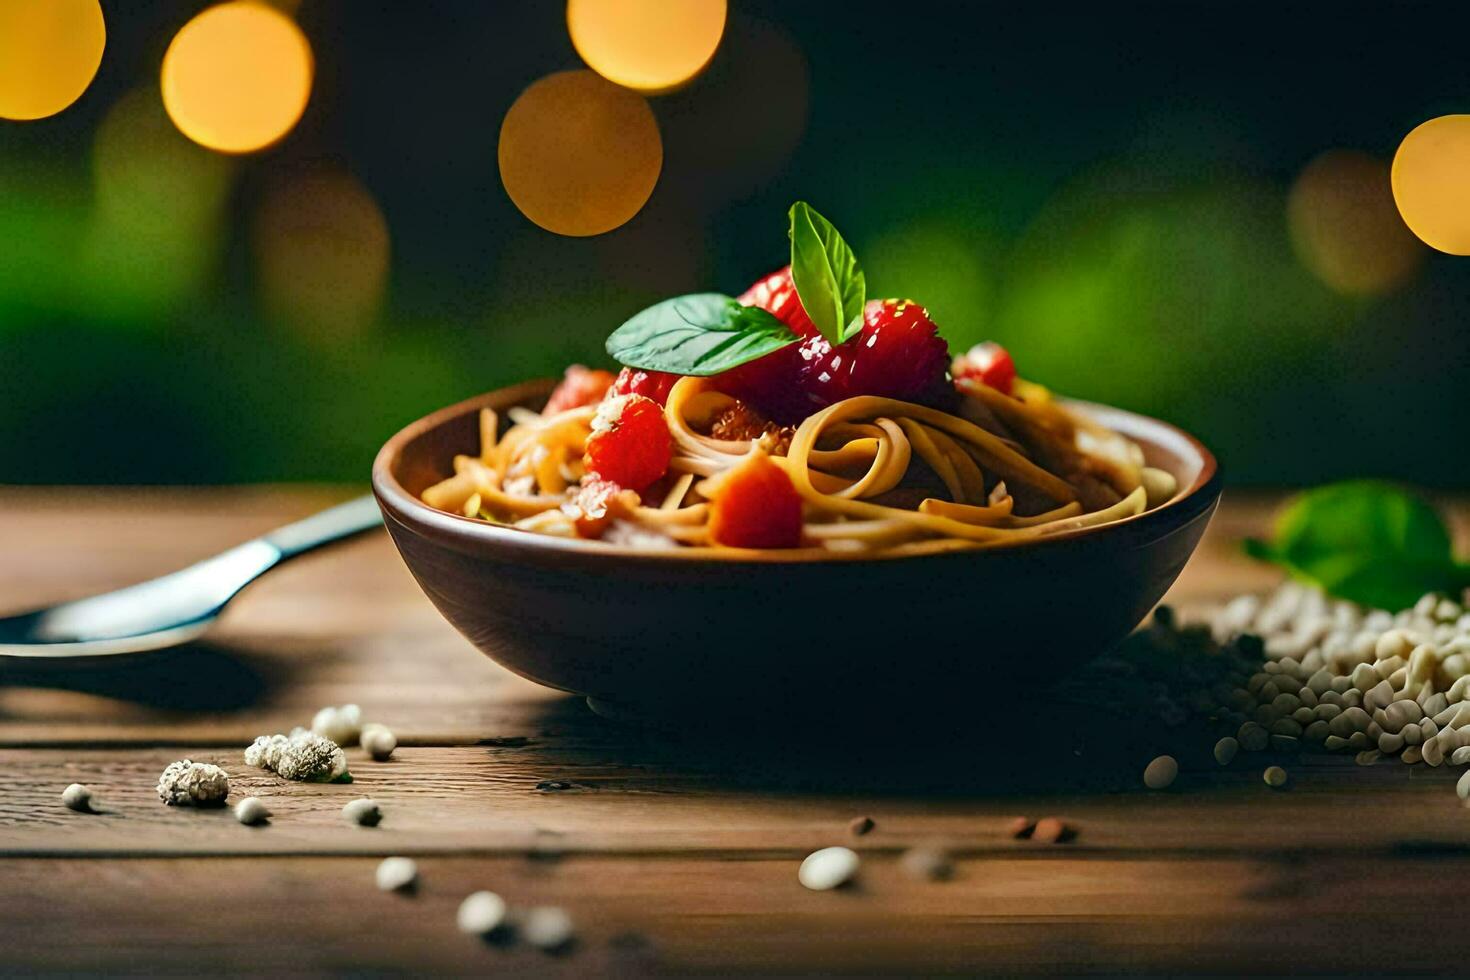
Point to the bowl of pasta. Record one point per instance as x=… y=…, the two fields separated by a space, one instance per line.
x=791 y=497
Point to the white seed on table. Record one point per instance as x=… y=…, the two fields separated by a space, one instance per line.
x=1386 y=667
x=1341 y=685
x=1434 y=705
x=1393 y=643
x=1258 y=680
x=396 y=874
x=1253 y=737
x=1308 y=697
x=828 y=868
x=1429 y=728
x=1460 y=756
x=1285 y=703
x=1335 y=743
x=1316 y=731
x=1391 y=743
x=1364 y=677
x=1374 y=730
x=1412 y=755
x=1286 y=726
x=1161 y=772
x=1412 y=734
x=481 y=913
x=1269 y=691
x=1331 y=699
x=1274 y=776
x=1379 y=695
x=363 y=812
x=1225 y=750
x=379 y=742
x=1398 y=714
x=77 y=797
x=1351 y=698
x=1367 y=757
x=1433 y=752
x=1459 y=690
x=1271 y=667
x=1399 y=679
x=1320 y=682
x=1359 y=740
x=547 y=927
x=251 y=811
x=1304 y=715
x=1327 y=710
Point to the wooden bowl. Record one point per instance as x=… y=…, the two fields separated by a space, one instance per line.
x=642 y=632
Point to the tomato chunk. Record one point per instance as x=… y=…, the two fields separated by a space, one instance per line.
x=580 y=386
x=754 y=505
x=649 y=384
x=598 y=503
x=630 y=443
x=989 y=363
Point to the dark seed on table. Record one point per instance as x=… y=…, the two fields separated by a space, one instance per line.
x=860 y=826
x=928 y=863
x=1053 y=830
x=1020 y=827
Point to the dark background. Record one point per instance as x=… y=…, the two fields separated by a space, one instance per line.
x=1102 y=188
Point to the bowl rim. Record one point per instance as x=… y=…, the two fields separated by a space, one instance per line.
x=408 y=511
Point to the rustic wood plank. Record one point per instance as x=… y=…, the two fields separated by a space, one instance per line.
x=1002 y=915
x=487 y=800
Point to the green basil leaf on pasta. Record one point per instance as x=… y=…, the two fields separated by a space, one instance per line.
x=699 y=334
x=1365 y=540
x=826 y=273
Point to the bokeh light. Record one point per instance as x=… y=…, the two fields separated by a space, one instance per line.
x=578 y=154
x=649 y=45
x=321 y=249
x=1345 y=228
x=156 y=229
x=236 y=78
x=1431 y=182
x=49 y=53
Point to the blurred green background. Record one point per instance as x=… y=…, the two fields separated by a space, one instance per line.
x=1112 y=191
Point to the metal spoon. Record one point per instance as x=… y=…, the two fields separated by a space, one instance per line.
x=180 y=606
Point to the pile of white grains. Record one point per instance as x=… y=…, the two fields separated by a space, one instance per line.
x=1298 y=670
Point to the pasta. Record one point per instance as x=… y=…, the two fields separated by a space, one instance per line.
x=871 y=473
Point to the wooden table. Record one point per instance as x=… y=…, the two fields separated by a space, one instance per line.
x=672 y=853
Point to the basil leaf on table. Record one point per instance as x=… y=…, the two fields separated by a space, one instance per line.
x=1365 y=540
x=829 y=282
x=699 y=334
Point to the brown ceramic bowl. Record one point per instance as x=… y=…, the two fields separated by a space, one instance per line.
x=681 y=631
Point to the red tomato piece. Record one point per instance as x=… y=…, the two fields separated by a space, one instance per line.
x=754 y=505
x=988 y=363
x=630 y=443
x=655 y=385
x=579 y=386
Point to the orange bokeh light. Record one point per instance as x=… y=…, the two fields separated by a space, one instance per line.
x=322 y=250
x=648 y=45
x=1345 y=228
x=1431 y=182
x=579 y=155
x=49 y=54
x=237 y=77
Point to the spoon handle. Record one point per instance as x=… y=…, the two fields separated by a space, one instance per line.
x=337 y=522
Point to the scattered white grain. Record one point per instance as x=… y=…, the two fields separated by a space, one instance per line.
x=363 y=812
x=251 y=811
x=828 y=868
x=1161 y=772
x=481 y=913
x=1274 y=776
x=547 y=927
x=77 y=797
x=379 y=742
x=396 y=874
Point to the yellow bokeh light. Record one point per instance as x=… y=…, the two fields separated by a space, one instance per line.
x=1431 y=182
x=49 y=53
x=1345 y=228
x=648 y=45
x=321 y=250
x=578 y=154
x=236 y=78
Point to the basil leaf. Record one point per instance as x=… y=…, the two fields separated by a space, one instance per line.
x=1365 y=540
x=829 y=282
x=699 y=334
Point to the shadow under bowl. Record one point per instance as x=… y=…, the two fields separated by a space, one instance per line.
x=698 y=634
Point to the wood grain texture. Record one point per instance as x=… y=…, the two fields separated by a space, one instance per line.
x=675 y=850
